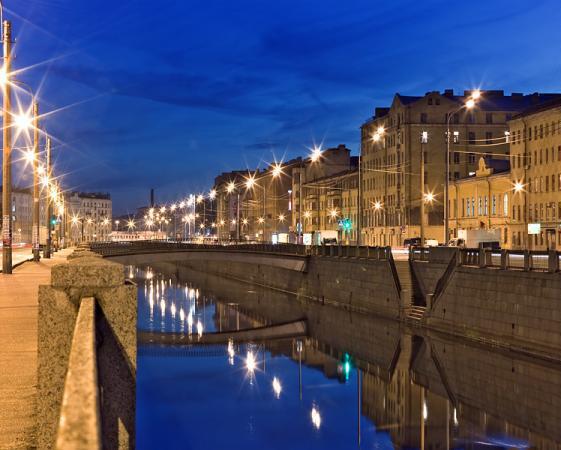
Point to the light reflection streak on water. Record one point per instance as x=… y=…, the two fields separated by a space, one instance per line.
x=231 y=352
x=316 y=417
x=277 y=387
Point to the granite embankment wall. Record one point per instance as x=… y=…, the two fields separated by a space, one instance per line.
x=512 y=307
x=356 y=284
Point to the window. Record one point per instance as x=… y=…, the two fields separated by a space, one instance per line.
x=424 y=137
x=456 y=175
x=471 y=138
x=489 y=118
x=471 y=158
x=429 y=100
x=486 y=206
x=488 y=137
x=505 y=205
x=456 y=157
x=423 y=117
x=494 y=205
x=507 y=137
x=479 y=206
x=456 y=137
x=456 y=118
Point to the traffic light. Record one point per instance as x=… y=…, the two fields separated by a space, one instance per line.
x=53 y=220
x=346 y=224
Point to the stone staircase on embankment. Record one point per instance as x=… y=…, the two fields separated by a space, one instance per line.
x=414 y=311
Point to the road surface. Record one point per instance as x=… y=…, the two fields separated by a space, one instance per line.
x=18 y=255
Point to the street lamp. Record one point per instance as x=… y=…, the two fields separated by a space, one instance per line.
x=250 y=184
x=314 y=157
x=469 y=104
x=6 y=149
x=24 y=121
x=376 y=137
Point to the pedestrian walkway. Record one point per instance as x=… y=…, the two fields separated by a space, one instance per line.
x=18 y=350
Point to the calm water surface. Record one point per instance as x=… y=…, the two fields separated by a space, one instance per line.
x=353 y=382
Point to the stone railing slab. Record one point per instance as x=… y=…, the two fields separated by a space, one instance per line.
x=80 y=423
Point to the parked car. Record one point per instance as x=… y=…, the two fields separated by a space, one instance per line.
x=411 y=242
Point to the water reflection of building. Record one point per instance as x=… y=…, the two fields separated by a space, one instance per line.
x=425 y=391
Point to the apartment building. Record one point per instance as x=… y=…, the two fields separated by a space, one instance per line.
x=335 y=199
x=88 y=216
x=535 y=136
x=482 y=201
x=394 y=139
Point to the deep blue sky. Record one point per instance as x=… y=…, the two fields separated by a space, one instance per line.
x=167 y=94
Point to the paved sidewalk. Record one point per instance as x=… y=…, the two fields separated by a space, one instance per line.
x=18 y=350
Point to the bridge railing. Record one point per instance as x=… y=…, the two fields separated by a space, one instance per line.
x=340 y=251
x=544 y=261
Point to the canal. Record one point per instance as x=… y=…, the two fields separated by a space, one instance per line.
x=351 y=381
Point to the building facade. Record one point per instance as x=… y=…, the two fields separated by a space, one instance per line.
x=393 y=141
x=482 y=201
x=336 y=216
x=310 y=185
x=88 y=217
x=536 y=171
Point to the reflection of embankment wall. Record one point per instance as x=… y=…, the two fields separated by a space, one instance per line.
x=368 y=338
x=364 y=285
x=494 y=392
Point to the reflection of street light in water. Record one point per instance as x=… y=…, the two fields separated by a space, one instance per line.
x=316 y=417
x=190 y=322
x=277 y=388
x=199 y=328
x=250 y=363
x=299 y=350
x=231 y=352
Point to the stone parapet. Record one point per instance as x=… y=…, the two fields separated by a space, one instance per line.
x=115 y=324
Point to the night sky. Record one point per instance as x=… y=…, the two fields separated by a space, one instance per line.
x=167 y=94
